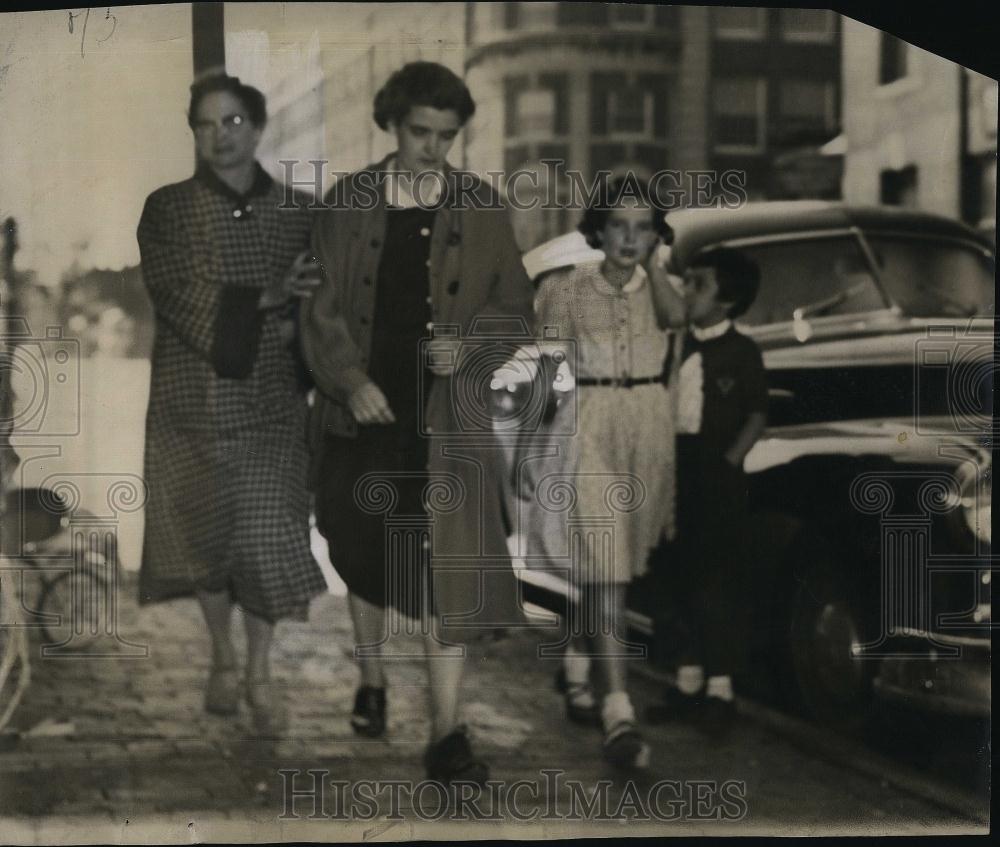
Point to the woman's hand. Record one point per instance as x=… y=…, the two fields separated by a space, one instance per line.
x=300 y=280
x=369 y=406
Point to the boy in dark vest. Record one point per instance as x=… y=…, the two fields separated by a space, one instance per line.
x=722 y=408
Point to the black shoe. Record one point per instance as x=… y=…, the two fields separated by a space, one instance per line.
x=451 y=760
x=717 y=717
x=368 y=717
x=624 y=747
x=675 y=706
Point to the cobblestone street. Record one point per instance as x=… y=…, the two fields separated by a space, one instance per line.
x=137 y=753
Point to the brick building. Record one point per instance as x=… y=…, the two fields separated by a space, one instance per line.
x=598 y=86
x=919 y=130
x=652 y=87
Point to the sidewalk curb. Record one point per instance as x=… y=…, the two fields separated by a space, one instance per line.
x=850 y=755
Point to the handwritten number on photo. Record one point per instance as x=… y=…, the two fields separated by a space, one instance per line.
x=86 y=19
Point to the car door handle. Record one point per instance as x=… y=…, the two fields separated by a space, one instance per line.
x=780 y=394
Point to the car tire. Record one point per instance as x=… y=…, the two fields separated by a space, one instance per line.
x=830 y=682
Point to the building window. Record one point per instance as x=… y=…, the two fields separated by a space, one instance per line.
x=740 y=23
x=813 y=26
x=630 y=112
x=892 y=59
x=629 y=107
x=582 y=14
x=740 y=107
x=899 y=188
x=535 y=109
x=516 y=157
x=629 y=15
x=530 y=15
x=535 y=112
x=807 y=106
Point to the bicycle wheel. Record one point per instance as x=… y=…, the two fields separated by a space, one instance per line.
x=81 y=603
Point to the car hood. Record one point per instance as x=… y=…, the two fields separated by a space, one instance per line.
x=883 y=337
x=893 y=438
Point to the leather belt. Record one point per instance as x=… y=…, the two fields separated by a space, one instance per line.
x=619 y=382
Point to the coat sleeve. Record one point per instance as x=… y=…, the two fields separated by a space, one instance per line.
x=511 y=292
x=330 y=352
x=221 y=324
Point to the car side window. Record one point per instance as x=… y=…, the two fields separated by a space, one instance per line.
x=823 y=276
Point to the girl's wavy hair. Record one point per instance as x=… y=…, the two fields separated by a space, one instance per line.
x=611 y=195
x=422 y=84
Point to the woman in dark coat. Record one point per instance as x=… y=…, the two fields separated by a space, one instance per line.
x=226 y=459
x=419 y=261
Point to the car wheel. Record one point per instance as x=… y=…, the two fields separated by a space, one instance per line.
x=832 y=683
x=78 y=600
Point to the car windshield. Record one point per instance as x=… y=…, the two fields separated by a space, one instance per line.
x=927 y=278
x=820 y=276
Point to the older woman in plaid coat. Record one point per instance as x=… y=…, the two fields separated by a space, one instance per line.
x=226 y=459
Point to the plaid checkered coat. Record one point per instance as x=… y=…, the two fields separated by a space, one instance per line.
x=226 y=457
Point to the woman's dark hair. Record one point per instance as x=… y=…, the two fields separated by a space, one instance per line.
x=737 y=276
x=422 y=84
x=611 y=195
x=253 y=101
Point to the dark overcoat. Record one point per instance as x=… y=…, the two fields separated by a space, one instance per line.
x=225 y=454
x=479 y=293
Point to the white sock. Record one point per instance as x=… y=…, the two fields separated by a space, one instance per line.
x=720 y=686
x=690 y=679
x=617 y=707
x=577 y=667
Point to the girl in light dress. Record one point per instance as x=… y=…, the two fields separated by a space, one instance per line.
x=604 y=500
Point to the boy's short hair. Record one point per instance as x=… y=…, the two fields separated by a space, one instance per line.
x=737 y=275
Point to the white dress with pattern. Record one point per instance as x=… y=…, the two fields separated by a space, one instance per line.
x=604 y=495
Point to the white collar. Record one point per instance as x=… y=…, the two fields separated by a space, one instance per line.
x=636 y=281
x=709 y=332
x=399 y=195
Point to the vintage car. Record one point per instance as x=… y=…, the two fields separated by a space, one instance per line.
x=869 y=565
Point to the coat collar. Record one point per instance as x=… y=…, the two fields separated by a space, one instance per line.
x=381 y=172
x=262 y=183
x=709 y=332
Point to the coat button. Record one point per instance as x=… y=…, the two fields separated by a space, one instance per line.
x=237 y=213
x=368 y=280
x=453 y=287
x=364 y=320
x=425 y=231
x=376 y=243
x=454 y=238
